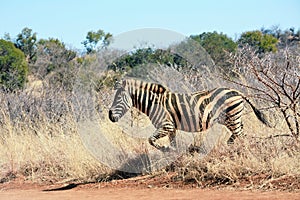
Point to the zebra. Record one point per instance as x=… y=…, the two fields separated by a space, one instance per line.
x=170 y=111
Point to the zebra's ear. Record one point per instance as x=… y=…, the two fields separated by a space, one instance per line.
x=119 y=84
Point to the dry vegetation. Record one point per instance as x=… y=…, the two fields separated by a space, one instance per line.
x=41 y=140
x=40 y=144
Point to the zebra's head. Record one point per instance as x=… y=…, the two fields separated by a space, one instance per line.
x=122 y=102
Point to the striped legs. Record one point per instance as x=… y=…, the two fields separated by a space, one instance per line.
x=160 y=133
x=235 y=125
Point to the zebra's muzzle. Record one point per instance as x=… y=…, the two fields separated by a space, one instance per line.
x=112 y=117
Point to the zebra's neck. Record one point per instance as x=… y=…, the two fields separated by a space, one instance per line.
x=144 y=100
x=144 y=93
x=133 y=85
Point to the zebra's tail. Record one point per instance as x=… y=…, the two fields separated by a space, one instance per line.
x=261 y=116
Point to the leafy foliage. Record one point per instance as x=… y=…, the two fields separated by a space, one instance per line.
x=288 y=37
x=51 y=55
x=26 y=41
x=93 y=38
x=54 y=61
x=148 y=55
x=13 y=66
x=263 y=42
x=218 y=45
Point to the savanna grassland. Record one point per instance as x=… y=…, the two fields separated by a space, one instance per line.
x=40 y=142
x=47 y=134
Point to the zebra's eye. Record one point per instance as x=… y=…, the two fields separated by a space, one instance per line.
x=119 y=84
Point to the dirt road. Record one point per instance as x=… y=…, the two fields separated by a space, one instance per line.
x=124 y=193
x=142 y=187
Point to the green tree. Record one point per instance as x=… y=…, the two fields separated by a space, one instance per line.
x=52 y=55
x=262 y=42
x=13 y=66
x=93 y=39
x=218 y=45
x=26 y=41
x=148 y=55
x=55 y=63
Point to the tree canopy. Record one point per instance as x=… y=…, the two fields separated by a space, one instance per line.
x=26 y=41
x=13 y=66
x=52 y=55
x=93 y=38
x=148 y=55
x=262 y=42
x=46 y=58
x=218 y=45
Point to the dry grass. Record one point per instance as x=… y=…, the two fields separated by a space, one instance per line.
x=40 y=156
x=256 y=162
x=40 y=144
x=52 y=151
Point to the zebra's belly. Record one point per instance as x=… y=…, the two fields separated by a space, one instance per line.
x=189 y=123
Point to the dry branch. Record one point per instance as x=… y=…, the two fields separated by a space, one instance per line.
x=275 y=79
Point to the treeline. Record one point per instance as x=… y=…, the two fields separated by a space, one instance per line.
x=51 y=60
x=44 y=59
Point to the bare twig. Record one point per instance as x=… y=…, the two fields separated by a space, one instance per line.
x=277 y=81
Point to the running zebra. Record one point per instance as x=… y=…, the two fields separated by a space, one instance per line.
x=169 y=111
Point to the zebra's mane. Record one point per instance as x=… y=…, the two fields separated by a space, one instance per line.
x=153 y=87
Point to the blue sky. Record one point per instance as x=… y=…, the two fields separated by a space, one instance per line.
x=70 y=20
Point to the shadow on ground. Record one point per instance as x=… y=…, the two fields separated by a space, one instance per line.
x=133 y=167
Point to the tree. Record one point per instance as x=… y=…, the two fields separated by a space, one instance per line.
x=13 y=66
x=275 y=79
x=52 y=54
x=26 y=41
x=144 y=56
x=262 y=42
x=93 y=39
x=218 y=45
x=55 y=63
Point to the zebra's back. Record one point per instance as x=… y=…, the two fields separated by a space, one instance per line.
x=196 y=112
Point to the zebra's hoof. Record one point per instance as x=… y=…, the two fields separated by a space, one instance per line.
x=167 y=149
x=197 y=149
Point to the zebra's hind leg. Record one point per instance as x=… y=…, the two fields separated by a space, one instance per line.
x=236 y=128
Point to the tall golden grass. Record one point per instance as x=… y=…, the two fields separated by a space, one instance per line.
x=38 y=145
x=258 y=161
x=42 y=147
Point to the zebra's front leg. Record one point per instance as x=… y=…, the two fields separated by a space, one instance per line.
x=160 y=133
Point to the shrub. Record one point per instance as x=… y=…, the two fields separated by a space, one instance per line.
x=13 y=66
x=263 y=42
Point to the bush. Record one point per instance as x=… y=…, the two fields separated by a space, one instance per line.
x=55 y=63
x=218 y=45
x=148 y=55
x=13 y=66
x=263 y=42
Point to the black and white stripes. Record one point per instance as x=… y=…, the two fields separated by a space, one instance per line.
x=170 y=111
